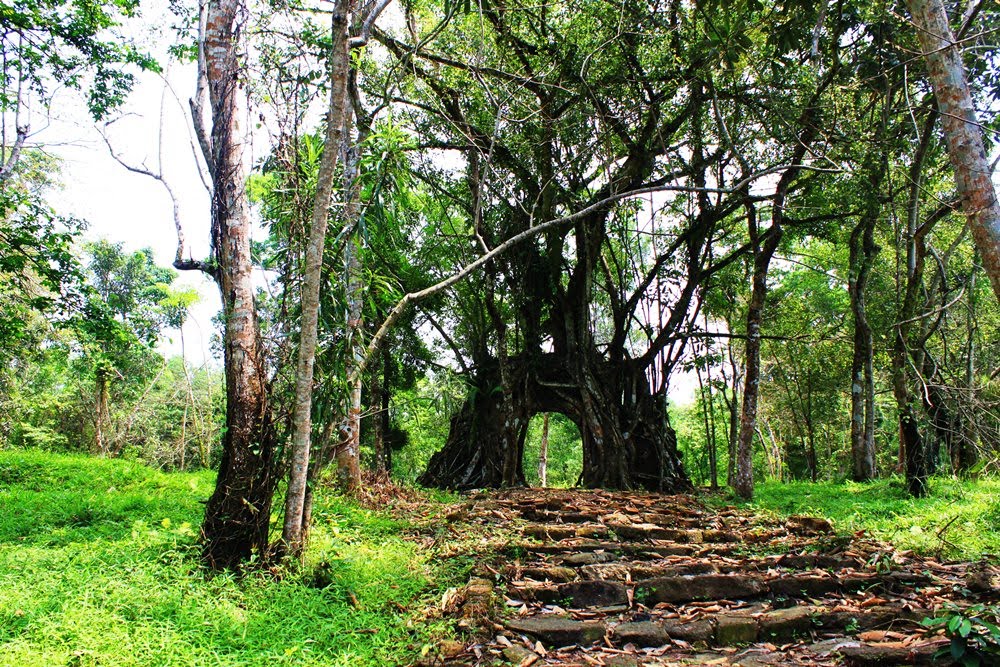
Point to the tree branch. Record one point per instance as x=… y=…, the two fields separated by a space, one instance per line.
x=397 y=311
x=366 y=27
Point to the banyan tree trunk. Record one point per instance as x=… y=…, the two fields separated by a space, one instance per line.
x=476 y=452
x=627 y=442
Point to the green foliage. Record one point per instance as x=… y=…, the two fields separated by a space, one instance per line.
x=72 y=43
x=423 y=412
x=110 y=575
x=975 y=637
x=39 y=273
x=565 y=454
x=161 y=411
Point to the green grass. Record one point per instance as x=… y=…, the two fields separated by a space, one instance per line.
x=959 y=519
x=98 y=566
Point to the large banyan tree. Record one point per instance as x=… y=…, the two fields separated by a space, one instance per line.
x=563 y=111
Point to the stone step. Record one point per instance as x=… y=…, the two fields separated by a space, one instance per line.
x=652 y=531
x=642 y=571
x=589 y=593
x=556 y=631
x=575 y=594
x=647 y=550
x=594 y=565
x=553 y=516
x=692 y=588
x=726 y=628
x=882 y=654
x=559 y=532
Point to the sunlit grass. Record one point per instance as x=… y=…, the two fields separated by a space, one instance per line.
x=98 y=566
x=958 y=519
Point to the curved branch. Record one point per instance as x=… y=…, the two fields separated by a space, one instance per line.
x=397 y=311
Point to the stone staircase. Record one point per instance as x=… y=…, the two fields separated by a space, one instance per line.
x=627 y=579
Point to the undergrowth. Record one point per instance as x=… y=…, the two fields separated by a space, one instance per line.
x=958 y=519
x=99 y=566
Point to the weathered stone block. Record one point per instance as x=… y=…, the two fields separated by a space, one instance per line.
x=558 y=630
x=732 y=630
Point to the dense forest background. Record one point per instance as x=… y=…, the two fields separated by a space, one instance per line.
x=478 y=229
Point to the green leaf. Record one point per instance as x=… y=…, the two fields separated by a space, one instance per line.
x=958 y=647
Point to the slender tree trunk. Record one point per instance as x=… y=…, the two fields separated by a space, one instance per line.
x=349 y=450
x=743 y=479
x=237 y=516
x=966 y=455
x=862 y=256
x=713 y=471
x=543 y=453
x=713 y=445
x=732 y=406
x=743 y=482
x=375 y=393
x=912 y=458
x=962 y=130
x=101 y=412
x=811 y=457
x=384 y=417
x=295 y=500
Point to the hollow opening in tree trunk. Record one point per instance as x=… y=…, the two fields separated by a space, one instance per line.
x=562 y=447
x=626 y=440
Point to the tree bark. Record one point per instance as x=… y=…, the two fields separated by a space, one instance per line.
x=238 y=513
x=709 y=422
x=965 y=454
x=349 y=449
x=376 y=394
x=295 y=499
x=743 y=478
x=732 y=408
x=627 y=442
x=101 y=411
x=962 y=130
x=862 y=256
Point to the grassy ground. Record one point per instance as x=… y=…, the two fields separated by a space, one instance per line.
x=959 y=519
x=98 y=566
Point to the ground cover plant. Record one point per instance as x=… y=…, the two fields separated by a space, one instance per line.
x=99 y=566
x=959 y=519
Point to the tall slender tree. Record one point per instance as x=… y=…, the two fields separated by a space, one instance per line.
x=295 y=499
x=237 y=517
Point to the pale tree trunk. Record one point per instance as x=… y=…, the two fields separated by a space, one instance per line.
x=381 y=382
x=101 y=410
x=732 y=409
x=713 y=445
x=708 y=418
x=349 y=449
x=961 y=129
x=293 y=532
x=375 y=394
x=965 y=455
x=912 y=459
x=863 y=252
x=238 y=513
x=543 y=453
x=384 y=418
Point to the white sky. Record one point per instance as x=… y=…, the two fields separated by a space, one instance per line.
x=133 y=209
